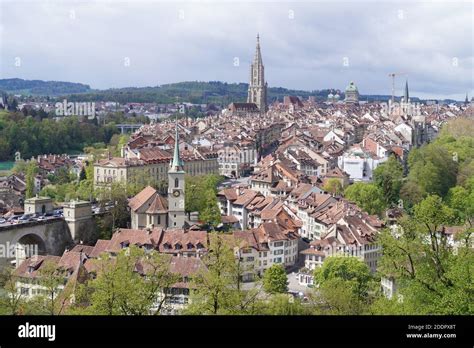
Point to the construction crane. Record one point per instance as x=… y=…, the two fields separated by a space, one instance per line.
x=392 y=75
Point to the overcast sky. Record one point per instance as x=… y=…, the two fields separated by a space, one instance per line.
x=304 y=45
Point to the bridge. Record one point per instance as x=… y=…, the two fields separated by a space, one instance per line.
x=129 y=127
x=50 y=237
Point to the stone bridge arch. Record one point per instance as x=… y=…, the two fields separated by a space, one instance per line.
x=31 y=239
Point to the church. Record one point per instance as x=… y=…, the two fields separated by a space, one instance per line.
x=257 y=91
x=149 y=209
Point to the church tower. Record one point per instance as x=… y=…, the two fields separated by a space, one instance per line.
x=258 y=87
x=176 y=213
x=406 y=97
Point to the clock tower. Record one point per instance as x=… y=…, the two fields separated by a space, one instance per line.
x=176 y=213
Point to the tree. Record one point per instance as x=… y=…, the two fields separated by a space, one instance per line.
x=433 y=169
x=349 y=269
x=51 y=278
x=334 y=186
x=118 y=213
x=31 y=171
x=275 y=280
x=82 y=174
x=368 y=197
x=198 y=187
x=132 y=283
x=11 y=301
x=431 y=277
x=210 y=213
x=344 y=284
x=217 y=287
x=388 y=177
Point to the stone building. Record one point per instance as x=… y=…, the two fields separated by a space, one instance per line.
x=40 y=205
x=352 y=94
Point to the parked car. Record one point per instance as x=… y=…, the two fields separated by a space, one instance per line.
x=25 y=218
x=2 y=220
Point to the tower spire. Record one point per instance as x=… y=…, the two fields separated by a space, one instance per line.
x=177 y=163
x=257 y=92
x=406 y=92
x=258 y=54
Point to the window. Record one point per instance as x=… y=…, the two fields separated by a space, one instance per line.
x=25 y=291
x=278 y=252
x=277 y=260
x=278 y=244
x=159 y=219
x=176 y=182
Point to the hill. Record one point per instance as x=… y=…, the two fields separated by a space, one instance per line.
x=41 y=88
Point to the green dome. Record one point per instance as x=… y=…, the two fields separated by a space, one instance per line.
x=352 y=87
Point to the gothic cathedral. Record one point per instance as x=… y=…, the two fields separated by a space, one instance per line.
x=258 y=87
x=176 y=212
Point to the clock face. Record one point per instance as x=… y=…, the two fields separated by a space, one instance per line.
x=176 y=193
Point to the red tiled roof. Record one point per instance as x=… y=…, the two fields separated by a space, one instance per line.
x=144 y=195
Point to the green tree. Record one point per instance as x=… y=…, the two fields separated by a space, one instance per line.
x=368 y=197
x=334 y=186
x=388 y=177
x=351 y=270
x=118 y=213
x=343 y=285
x=210 y=213
x=132 y=283
x=461 y=200
x=11 y=299
x=51 y=278
x=275 y=280
x=217 y=287
x=31 y=171
x=431 y=277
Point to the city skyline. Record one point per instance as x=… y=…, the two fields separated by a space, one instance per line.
x=306 y=46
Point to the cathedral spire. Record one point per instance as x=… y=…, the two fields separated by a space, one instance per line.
x=257 y=92
x=177 y=163
x=406 y=92
x=258 y=54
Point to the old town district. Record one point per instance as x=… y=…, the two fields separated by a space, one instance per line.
x=276 y=159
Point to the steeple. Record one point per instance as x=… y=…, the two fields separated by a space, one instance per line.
x=466 y=101
x=406 y=92
x=177 y=163
x=258 y=55
x=257 y=92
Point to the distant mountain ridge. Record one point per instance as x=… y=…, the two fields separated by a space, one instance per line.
x=196 y=92
x=40 y=87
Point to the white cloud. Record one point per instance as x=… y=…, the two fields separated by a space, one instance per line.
x=303 y=52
